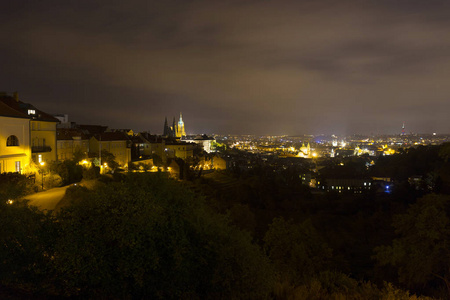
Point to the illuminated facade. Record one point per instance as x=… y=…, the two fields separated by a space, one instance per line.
x=42 y=129
x=69 y=141
x=176 y=130
x=305 y=151
x=180 y=128
x=117 y=143
x=179 y=149
x=15 y=150
x=212 y=162
x=152 y=144
x=43 y=140
x=203 y=140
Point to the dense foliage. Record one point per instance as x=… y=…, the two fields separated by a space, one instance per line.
x=144 y=237
x=245 y=233
x=264 y=197
x=13 y=186
x=421 y=253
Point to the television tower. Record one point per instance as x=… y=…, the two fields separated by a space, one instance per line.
x=403 y=129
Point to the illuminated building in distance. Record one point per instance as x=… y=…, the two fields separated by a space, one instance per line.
x=176 y=130
x=180 y=127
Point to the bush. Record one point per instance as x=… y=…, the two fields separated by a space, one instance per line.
x=147 y=237
x=26 y=238
x=91 y=173
x=13 y=186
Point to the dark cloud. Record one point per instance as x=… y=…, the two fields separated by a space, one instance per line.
x=275 y=67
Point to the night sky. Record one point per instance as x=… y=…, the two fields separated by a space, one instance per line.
x=237 y=67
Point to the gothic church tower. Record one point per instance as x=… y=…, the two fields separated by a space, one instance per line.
x=180 y=128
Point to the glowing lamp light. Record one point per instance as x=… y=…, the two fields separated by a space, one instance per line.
x=42 y=163
x=314 y=154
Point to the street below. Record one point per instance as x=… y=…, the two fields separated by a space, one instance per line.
x=47 y=200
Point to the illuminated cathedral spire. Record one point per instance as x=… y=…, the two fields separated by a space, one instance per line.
x=180 y=130
x=176 y=130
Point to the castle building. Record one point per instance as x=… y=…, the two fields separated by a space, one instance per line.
x=180 y=128
x=176 y=130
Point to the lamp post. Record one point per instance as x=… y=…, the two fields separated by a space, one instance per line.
x=42 y=172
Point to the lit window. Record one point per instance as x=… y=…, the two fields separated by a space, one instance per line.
x=18 y=169
x=39 y=158
x=31 y=112
x=12 y=141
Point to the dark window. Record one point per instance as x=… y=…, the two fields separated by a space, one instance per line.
x=12 y=141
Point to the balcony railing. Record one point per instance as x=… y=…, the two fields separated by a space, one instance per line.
x=37 y=149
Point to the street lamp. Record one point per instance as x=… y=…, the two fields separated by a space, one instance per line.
x=42 y=172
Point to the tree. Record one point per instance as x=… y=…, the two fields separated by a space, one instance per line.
x=297 y=250
x=78 y=155
x=444 y=151
x=147 y=237
x=421 y=254
x=68 y=170
x=13 y=186
x=26 y=237
x=157 y=160
x=109 y=159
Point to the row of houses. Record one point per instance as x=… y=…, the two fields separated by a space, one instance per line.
x=30 y=137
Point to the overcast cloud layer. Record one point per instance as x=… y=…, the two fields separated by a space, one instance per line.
x=238 y=67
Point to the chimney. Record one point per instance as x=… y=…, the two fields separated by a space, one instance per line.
x=16 y=96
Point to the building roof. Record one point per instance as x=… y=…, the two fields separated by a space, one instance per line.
x=137 y=139
x=69 y=134
x=23 y=108
x=179 y=143
x=93 y=129
x=112 y=136
x=124 y=130
x=7 y=111
x=199 y=137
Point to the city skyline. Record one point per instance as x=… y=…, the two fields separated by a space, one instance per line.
x=251 y=67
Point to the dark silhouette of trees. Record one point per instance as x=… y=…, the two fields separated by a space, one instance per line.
x=13 y=186
x=26 y=240
x=421 y=253
x=297 y=250
x=110 y=160
x=144 y=236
